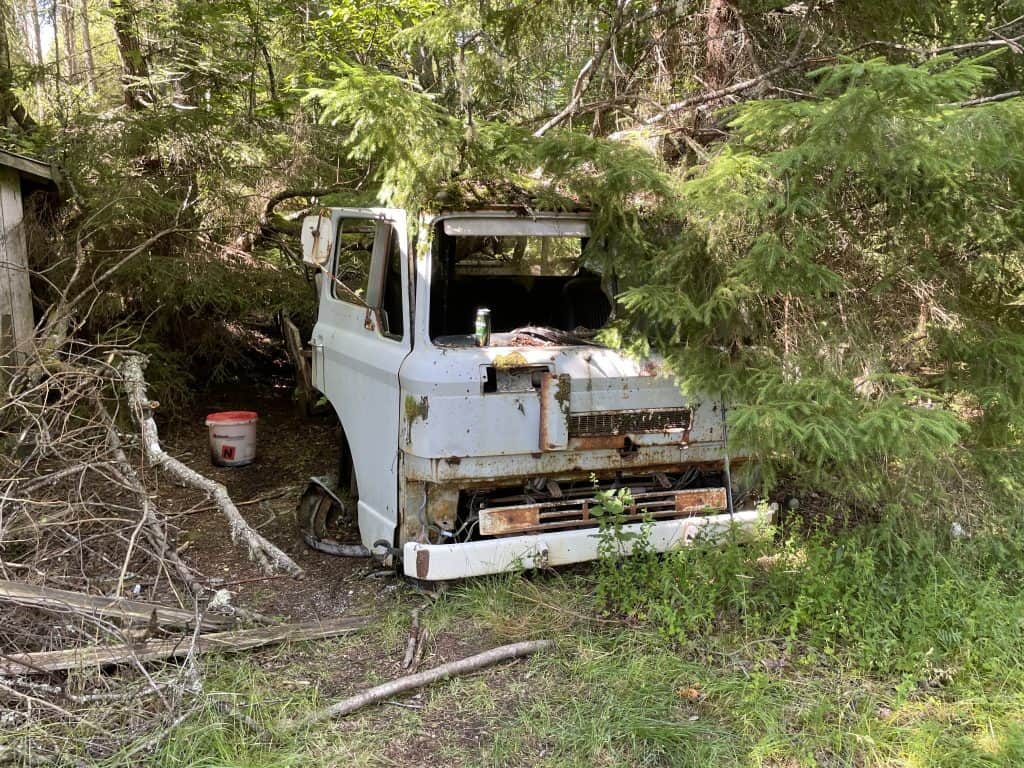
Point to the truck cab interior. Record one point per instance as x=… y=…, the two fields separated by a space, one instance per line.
x=531 y=280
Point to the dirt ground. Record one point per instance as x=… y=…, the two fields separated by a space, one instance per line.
x=291 y=448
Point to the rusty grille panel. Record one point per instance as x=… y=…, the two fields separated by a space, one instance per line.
x=576 y=513
x=628 y=422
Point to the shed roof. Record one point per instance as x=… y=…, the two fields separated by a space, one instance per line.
x=35 y=170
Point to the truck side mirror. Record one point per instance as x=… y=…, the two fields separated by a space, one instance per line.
x=317 y=241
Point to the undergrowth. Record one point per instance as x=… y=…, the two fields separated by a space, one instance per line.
x=924 y=601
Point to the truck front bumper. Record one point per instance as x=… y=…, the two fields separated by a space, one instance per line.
x=441 y=562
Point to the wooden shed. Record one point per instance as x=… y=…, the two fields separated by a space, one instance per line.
x=19 y=177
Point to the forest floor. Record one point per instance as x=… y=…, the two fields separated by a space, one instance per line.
x=417 y=730
x=613 y=691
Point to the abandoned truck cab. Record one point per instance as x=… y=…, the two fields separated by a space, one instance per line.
x=480 y=414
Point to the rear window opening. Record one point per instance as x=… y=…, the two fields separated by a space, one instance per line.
x=536 y=286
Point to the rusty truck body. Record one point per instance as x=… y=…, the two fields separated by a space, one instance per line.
x=474 y=455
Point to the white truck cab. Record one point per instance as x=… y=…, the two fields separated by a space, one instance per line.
x=474 y=453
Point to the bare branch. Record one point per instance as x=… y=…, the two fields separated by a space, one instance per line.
x=266 y=554
x=586 y=75
x=791 y=62
x=402 y=684
x=990 y=99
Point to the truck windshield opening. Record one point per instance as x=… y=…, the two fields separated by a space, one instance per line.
x=537 y=288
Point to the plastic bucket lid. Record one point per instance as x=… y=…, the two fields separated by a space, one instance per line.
x=232 y=418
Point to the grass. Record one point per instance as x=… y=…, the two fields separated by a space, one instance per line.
x=623 y=697
x=898 y=648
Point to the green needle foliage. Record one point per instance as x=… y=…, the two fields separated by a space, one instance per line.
x=846 y=269
x=860 y=239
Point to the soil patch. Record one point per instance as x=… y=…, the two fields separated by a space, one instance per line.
x=290 y=449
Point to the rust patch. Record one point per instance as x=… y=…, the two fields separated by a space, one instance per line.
x=415 y=409
x=699 y=499
x=554 y=401
x=650 y=368
x=545 y=385
x=443 y=505
x=502 y=520
x=422 y=563
x=563 y=393
x=599 y=442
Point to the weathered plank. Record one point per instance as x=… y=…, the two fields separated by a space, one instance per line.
x=128 y=611
x=26 y=166
x=16 y=319
x=152 y=650
x=303 y=370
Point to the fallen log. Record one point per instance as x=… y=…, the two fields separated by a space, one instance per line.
x=409 y=682
x=128 y=611
x=153 y=650
x=266 y=554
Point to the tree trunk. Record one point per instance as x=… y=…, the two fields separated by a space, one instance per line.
x=721 y=23
x=6 y=76
x=10 y=106
x=54 y=21
x=90 y=65
x=67 y=23
x=37 y=39
x=134 y=65
x=271 y=78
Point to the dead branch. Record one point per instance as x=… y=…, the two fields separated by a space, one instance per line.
x=421 y=649
x=272 y=225
x=129 y=693
x=56 y=323
x=152 y=650
x=154 y=526
x=998 y=41
x=414 y=636
x=989 y=99
x=127 y=611
x=44 y=703
x=409 y=682
x=266 y=554
x=791 y=62
x=586 y=74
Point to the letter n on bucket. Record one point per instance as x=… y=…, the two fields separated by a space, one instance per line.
x=232 y=437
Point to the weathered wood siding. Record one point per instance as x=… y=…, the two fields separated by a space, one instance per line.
x=16 y=319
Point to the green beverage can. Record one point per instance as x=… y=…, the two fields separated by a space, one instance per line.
x=482 y=327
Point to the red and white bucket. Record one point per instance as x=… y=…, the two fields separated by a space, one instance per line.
x=232 y=437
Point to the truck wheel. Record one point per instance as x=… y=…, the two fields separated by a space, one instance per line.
x=317 y=512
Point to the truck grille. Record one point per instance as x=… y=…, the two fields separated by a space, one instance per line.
x=577 y=513
x=628 y=422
